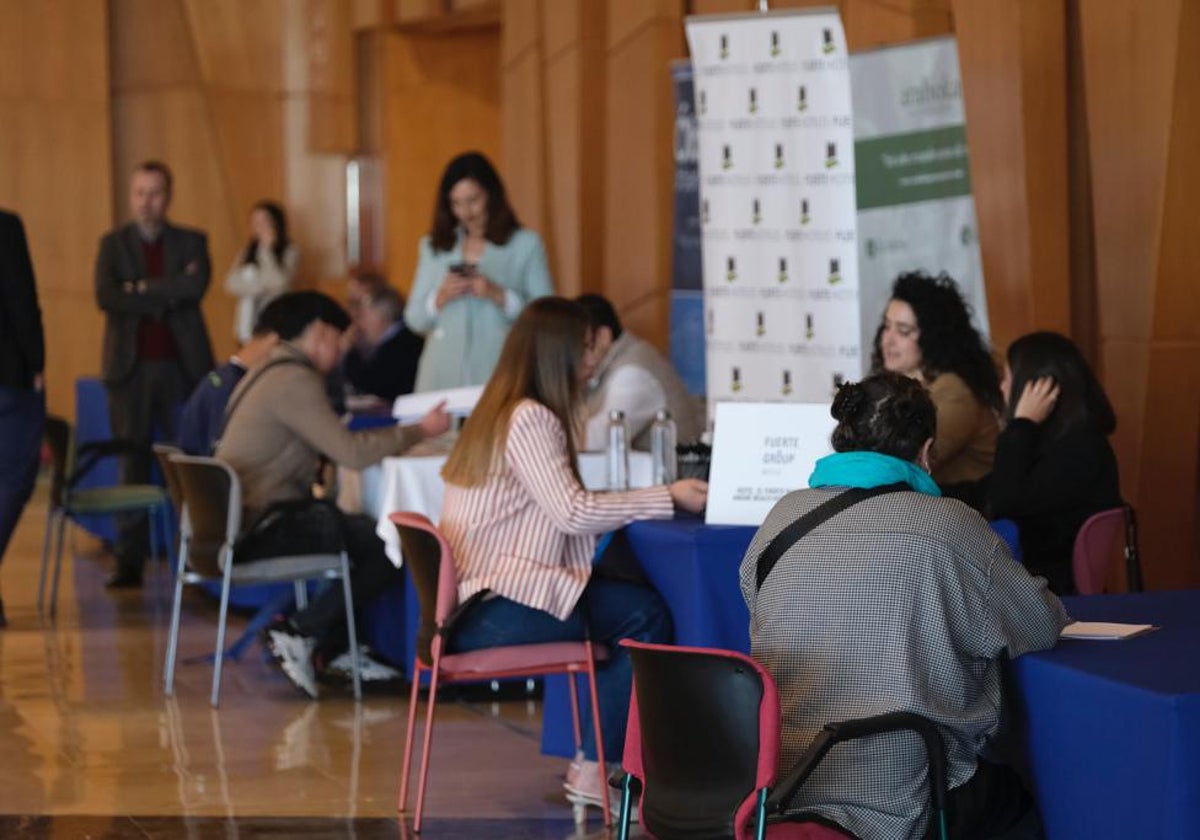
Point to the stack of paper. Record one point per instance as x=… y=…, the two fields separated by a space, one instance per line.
x=1106 y=630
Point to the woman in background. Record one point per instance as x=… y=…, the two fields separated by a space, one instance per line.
x=1054 y=466
x=477 y=268
x=264 y=270
x=926 y=334
x=523 y=528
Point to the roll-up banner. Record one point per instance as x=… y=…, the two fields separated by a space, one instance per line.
x=777 y=205
x=687 y=284
x=915 y=209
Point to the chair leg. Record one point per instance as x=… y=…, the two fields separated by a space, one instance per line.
x=426 y=746
x=626 y=807
x=50 y=517
x=591 y=663
x=58 y=552
x=176 y=611
x=410 y=733
x=574 y=689
x=351 y=626
x=219 y=656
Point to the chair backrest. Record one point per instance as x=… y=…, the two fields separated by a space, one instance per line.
x=58 y=437
x=163 y=453
x=430 y=564
x=703 y=736
x=1095 y=549
x=212 y=511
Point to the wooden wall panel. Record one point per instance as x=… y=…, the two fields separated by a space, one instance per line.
x=437 y=105
x=1013 y=63
x=55 y=157
x=639 y=167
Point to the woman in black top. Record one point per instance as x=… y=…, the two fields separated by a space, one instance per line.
x=1054 y=466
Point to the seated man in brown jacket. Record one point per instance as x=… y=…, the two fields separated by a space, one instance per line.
x=278 y=428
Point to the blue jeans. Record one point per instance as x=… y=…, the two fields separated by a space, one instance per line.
x=610 y=611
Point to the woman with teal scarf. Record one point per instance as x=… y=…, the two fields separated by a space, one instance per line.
x=870 y=593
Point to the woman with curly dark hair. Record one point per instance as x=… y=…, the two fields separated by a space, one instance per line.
x=926 y=334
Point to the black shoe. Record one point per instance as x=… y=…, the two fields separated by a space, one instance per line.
x=125 y=577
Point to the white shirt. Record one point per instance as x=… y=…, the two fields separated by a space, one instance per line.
x=631 y=389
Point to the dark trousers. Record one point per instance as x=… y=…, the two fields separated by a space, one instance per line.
x=318 y=527
x=609 y=611
x=22 y=416
x=147 y=399
x=992 y=805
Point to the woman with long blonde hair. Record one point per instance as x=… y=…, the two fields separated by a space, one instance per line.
x=523 y=528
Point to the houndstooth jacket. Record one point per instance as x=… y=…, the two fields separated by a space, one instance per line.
x=902 y=602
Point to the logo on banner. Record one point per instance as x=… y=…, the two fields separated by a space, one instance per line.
x=827 y=41
x=775 y=44
x=872 y=248
x=779 y=156
x=735 y=383
x=727 y=157
x=966 y=236
x=760 y=325
x=709 y=322
x=704 y=211
x=753 y=105
x=835 y=274
x=830 y=155
x=786 y=390
x=802 y=99
x=804 y=217
x=730 y=269
x=756 y=213
x=783 y=275
x=808 y=326
x=703 y=103
x=724 y=51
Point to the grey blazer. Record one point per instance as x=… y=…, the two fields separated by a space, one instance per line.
x=175 y=297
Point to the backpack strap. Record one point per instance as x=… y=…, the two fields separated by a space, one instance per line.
x=254 y=377
x=797 y=530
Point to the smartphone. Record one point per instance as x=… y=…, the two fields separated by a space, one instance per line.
x=464 y=269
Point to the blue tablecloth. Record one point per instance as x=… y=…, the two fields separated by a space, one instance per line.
x=1110 y=731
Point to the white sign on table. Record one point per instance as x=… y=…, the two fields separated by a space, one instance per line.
x=761 y=452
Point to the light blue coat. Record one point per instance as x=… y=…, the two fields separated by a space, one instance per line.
x=463 y=340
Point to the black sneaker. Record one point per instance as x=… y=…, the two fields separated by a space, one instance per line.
x=293 y=652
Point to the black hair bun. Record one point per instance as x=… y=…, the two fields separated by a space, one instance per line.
x=849 y=402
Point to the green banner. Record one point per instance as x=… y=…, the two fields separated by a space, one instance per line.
x=904 y=168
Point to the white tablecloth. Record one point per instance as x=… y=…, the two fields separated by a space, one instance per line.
x=415 y=483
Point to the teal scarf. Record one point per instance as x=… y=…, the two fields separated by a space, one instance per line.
x=870 y=469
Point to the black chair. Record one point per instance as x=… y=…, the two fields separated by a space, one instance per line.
x=702 y=746
x=70 y=463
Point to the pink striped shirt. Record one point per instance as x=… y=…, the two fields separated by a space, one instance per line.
x=529 y=532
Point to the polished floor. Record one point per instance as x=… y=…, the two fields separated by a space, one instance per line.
x=90 y=747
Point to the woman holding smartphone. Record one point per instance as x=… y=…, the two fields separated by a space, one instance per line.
x=476 y=271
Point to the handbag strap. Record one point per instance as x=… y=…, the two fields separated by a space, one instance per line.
x=797 y=530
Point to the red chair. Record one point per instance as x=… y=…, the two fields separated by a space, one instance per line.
x=1094 y=550
x=430 y=565
x=702 y=744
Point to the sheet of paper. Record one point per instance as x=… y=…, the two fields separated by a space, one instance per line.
x=459 y=402
x=1104 y=630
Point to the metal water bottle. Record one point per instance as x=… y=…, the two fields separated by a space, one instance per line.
x=618 y=451
x=662 y=448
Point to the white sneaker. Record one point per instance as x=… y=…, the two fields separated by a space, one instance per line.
x=586 y=783
x=370 y=669
x=294 y=653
